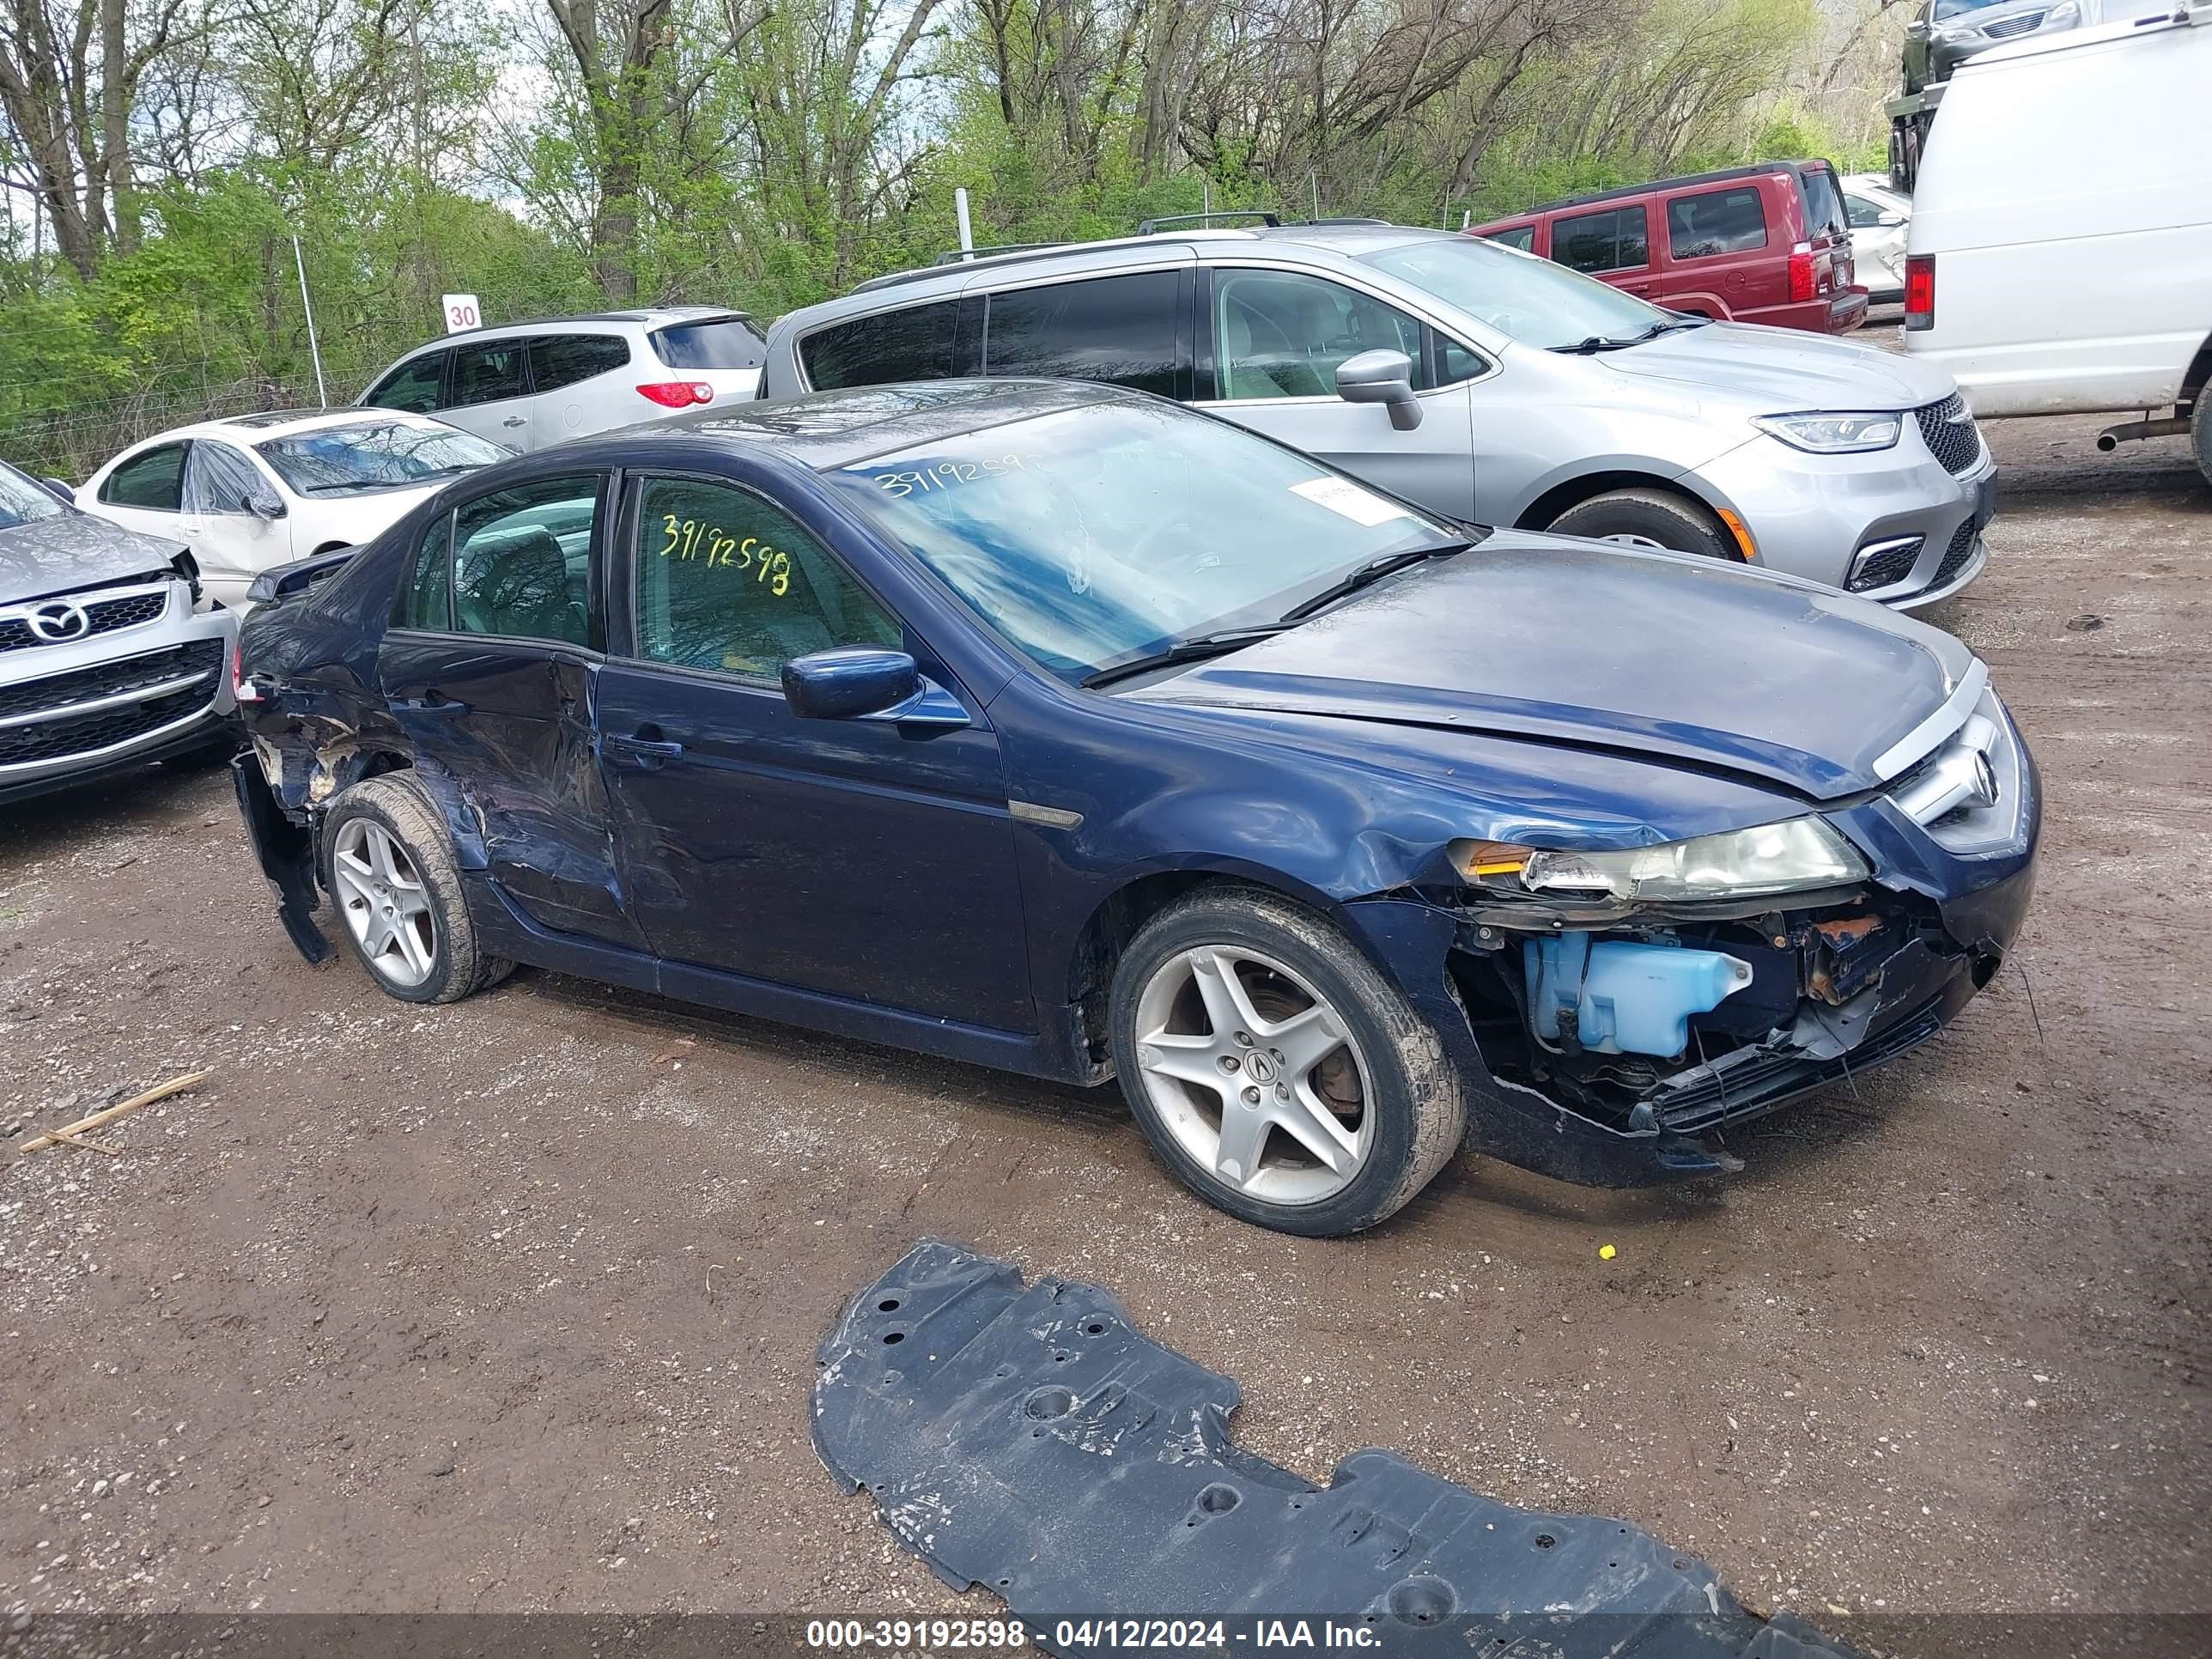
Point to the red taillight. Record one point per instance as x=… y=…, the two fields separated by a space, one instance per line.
x=1800 y=274
x=678 y=394
x=1920 y=290
x=241 y=689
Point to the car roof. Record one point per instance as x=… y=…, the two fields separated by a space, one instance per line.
x=644 y=316
x=825 y=430
x=1756 y=170
x=1350 y=237
x=258 y=428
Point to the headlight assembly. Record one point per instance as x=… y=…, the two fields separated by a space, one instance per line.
x=1793 y=855
x=1833 y=433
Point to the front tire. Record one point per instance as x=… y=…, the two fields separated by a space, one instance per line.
x=1274 y=1070
x=397 y=889
x=1649 y=518
x=2200 y=431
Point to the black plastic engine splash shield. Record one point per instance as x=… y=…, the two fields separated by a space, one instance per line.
x=1029 y=1438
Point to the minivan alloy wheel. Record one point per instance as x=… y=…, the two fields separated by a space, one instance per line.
x=1257 y=1076
x=385 y=901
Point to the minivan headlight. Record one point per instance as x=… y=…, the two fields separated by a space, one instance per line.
x=1788 y=856
x=1834 y=434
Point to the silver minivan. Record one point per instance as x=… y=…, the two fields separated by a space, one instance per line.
x=1482 y=382
x=532 y=384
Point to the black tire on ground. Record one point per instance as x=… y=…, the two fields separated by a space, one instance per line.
x=1417 y=1107
x=2200 y=431
x=458 y=967
x=1651 y=517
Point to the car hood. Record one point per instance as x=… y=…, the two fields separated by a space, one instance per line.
x=1560 y=641
x=74 y=551
x=1780 y=371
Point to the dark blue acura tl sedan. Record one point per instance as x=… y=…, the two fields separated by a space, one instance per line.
x=1058 y=728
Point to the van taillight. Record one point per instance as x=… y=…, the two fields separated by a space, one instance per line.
x=1920 y=290
x=1800 y=273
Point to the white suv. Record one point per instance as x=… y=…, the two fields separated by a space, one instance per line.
x=532 y=384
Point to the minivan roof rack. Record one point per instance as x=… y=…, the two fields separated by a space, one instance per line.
x=958 y=256
x=1266 y=216
x=1354 y=220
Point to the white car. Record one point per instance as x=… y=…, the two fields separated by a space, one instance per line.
x=251 y=492
x=1880 y=216
x=2060 y=259
x=537 y=383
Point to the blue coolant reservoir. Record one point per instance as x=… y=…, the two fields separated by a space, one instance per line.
x=1626 y=997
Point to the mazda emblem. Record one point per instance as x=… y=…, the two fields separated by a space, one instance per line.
x=58 y=620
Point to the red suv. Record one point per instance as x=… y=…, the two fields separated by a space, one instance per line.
x=1766 y=244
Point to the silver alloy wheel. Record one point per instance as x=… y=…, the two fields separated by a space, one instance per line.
x=1627 y=540
x=1255 y=1074
x=385 y=902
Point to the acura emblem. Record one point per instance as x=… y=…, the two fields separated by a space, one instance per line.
x=59 y=619
x=1985 y=781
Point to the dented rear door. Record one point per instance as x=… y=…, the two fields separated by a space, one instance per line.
x=493 y=675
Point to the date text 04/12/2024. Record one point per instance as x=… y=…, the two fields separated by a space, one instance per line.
x=952 y=1635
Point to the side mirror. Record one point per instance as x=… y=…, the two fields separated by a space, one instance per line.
x=1381 y=377
x=866 y=682
x=1889 y=220
x=60 y=487
x=264 y=504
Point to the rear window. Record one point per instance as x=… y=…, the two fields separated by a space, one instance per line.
x=915 y=343
x=724 y=343
x=1615 y=240
x=1824 y=204
x=1714 y=222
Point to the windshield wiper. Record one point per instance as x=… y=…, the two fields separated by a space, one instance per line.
x=1597 y=343
x=1373 y=571
x=1194 y=648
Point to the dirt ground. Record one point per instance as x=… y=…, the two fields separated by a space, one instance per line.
x=511 y=1305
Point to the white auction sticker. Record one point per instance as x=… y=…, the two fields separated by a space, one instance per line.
x=1342 y=495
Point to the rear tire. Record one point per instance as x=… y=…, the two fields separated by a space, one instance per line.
x=2200 y=431
x=1309 y=1096
x=1649 y=518
x=396 y=887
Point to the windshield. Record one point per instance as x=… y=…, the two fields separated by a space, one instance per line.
x=1533 y=301
x=343 y=461
x=24 y=501
x=1954 y=8
x=1094 y=536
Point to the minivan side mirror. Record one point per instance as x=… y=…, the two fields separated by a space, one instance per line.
x=1381 y=377
x=264 y=504
x=60 y=487
x=1889 y=220
x=867 y=683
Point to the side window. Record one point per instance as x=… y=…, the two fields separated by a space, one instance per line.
x=915 y=343
x=1863 y=213
x=559 y=360
x=1593 y=242
x=429 y=594
x=413 y=386
x=153 y=481
x=218 y=479
x=727 y=581
x=522 y=561
x=1714 y=222
x=1456 y=363
x=1523 y=237
x=1116 y=329
x=487 y=373
x=1277 y=334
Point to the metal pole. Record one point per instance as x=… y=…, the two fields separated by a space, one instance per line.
x=960 y=208
x=322 y=392
x=1313 y=177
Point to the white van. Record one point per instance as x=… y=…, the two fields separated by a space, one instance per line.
x=2060 y=255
